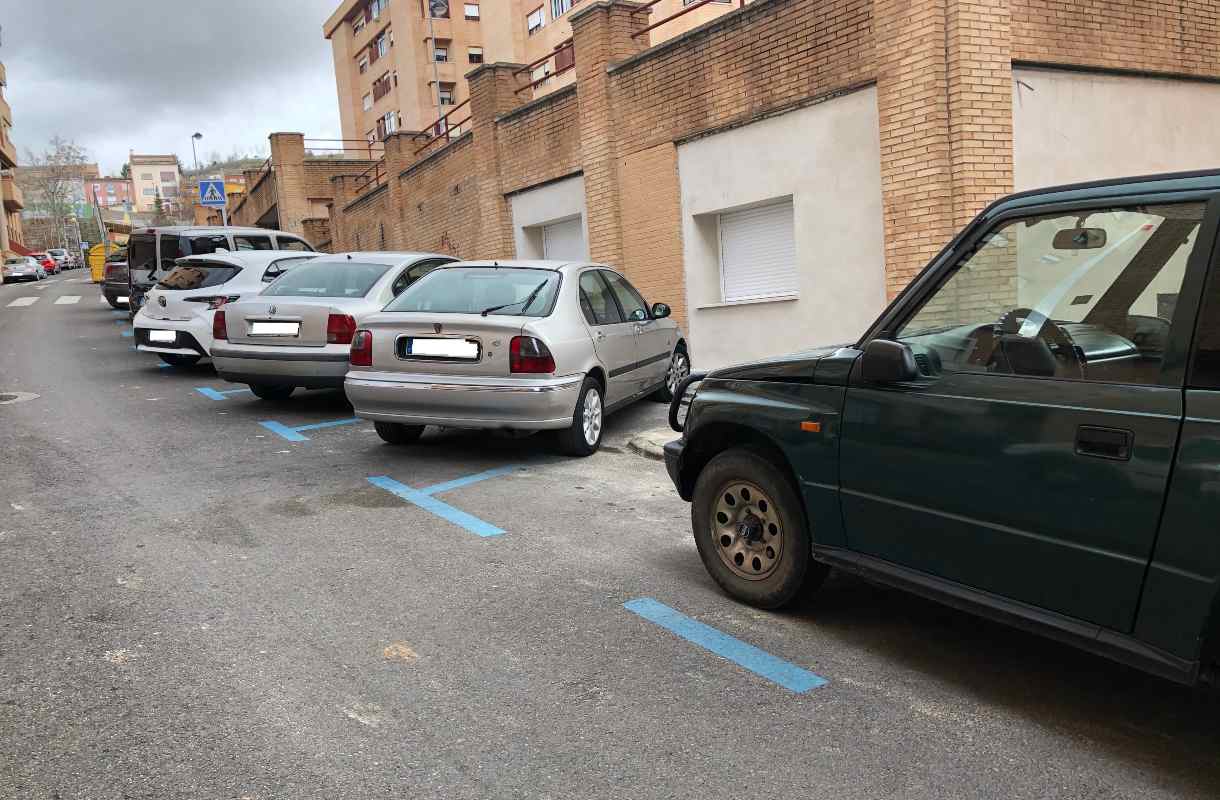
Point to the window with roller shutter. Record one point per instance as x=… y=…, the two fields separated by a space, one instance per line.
x=758 y=252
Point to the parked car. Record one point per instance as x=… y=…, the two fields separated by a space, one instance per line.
x=48 y=263
x=519 y=345
x=115 y=281
x=298 y=331
x=61 y=258
x=152 y=252
x=1030 y=431
x=176 y=321
x=22 y=268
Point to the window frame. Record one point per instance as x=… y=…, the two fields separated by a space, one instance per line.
x=632 y=290
x=541 y=12
x=561 y=7
x=466 y=12
x=1180 y=342
x=788 y=200
x=470 y=54
x=580 y=292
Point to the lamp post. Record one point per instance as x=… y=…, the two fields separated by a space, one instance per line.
x=196 y=137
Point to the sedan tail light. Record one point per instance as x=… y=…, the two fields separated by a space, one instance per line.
x=220 y=329
x=529 y=355
x=340 y=328
x=362 y=349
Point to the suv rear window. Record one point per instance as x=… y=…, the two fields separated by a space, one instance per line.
x=196 y=275
x=142 y=251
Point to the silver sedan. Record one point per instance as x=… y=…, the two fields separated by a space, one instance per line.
x=297 y=331
x=519 y=345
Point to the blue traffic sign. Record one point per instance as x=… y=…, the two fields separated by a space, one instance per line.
x=212 y=194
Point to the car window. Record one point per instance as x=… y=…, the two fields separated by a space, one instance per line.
x=252 y=242
x=596 y=301
x=170 y=252
x=204 y=245
x=1089 y=295
x=413 y=273
x=278 y=268
x=629 y=300
x=198 y=275
x=328 y=278
x=473 y=290
x=1205 y=364
x=288 y=243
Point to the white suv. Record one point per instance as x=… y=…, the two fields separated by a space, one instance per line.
x=175 y=321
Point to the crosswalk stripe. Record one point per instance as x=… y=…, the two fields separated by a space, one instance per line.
x=24 y=301
x=67 y=300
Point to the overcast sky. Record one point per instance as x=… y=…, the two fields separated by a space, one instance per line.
x=143 y=75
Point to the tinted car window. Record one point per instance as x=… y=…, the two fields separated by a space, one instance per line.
x=197 y=276
x=142 y=251
x=204 y=245
x=327 y=278
x=252 y=242
x=286 y=243
x=278 y=268
x=471 y=290
x=628 y=298
x=1205 y=371
x=596 y=301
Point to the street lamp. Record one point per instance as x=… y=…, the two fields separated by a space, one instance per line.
x=195 y=155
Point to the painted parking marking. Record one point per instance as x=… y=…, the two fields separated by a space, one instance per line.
x=127 y=333
x=21 y=302
x=424 y=499
x=790 y=676
x=218 y=394
x=67 y=300
x=294 y=434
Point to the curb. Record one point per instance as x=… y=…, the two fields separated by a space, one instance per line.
x=651 y=444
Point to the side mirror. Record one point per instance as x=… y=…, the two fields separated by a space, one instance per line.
x=886 y=361
x=660 y=311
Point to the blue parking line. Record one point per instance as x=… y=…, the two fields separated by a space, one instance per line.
x=469 y=479
x=127 y=334
x=424 y=499
x=216 y=394
x=120 y=322
x=294 y=435
x=785 y=673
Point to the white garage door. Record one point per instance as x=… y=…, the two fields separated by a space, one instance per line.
x=564 y=241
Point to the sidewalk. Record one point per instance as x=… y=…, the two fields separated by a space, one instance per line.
x=651 y=443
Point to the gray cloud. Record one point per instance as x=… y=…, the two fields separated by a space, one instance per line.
x=121 y=75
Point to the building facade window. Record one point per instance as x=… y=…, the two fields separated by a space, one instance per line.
x=560 y=7
x=368 y=102
x=441 y=52
x=381 y=87
x=384 y=42
x=376 y=7
x=358 y=23
x=364 y=64
x=472 y=11
x=168 y=177
x=475 y=54
x=535 y=20
x=540 y=73
x=146 y=176
x=565 y=58
x=438 y=9
x=758 y=252
x=446 y=94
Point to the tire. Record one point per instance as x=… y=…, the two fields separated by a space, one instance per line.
x=397 y=433
x=115 y=303
x=575 y=440
x=769 y=508
x=679 y=368
x=271 y=392
x=177 y=360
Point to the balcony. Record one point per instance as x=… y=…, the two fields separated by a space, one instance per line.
x=11 y=192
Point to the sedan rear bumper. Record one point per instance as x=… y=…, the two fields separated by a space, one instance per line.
x=312 y=368
x=455 y=402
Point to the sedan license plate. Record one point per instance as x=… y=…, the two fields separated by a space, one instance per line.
x=275 y=328
x=455 y=349
x=162 y=336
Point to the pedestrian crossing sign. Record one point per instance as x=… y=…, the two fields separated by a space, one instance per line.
x=212 y=194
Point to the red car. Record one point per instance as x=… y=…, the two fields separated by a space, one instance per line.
x=47 y=262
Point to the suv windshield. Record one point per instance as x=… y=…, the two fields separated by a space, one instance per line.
x=328 y=278
x=514 y=292
x=198 y=275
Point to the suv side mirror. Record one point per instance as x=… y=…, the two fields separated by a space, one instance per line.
x=886 y=361
x=660 y=311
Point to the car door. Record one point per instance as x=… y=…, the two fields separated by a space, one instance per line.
x=653 y=340
x=1030 y=458
x=614 y=337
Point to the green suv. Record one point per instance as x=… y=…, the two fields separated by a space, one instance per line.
x=1030 y=431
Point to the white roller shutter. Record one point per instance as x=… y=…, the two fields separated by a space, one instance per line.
x=758 y=252
x=564 y=241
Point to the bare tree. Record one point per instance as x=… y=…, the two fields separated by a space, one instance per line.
x=51 y=180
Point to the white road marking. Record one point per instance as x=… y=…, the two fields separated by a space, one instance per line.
x=20 y=302
x=67 y=300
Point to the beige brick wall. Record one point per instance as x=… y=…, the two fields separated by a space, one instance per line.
x=537 y=144
x=652 y=207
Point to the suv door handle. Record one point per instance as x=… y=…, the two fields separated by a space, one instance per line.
x=1111 y=443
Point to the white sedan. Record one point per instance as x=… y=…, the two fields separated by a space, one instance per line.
x=175 y=321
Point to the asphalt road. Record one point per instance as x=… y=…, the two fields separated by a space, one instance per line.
x=192 y=606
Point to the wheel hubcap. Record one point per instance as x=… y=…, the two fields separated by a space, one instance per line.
x=591 y=417
x=679 y=368
x=746 y=531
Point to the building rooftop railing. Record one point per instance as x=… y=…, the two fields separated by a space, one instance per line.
x=372 y=177
x=565 y=48
x=647 y=9
x=443 y=128
x=359 y=148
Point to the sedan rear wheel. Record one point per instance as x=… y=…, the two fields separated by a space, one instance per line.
x=750 y=529
x=679 y=368
x=398 y=433
x=272 y=392
x=584 y=437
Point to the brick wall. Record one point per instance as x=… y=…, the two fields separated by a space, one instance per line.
x=440 y=212
x=652 y=205
x=537 y=142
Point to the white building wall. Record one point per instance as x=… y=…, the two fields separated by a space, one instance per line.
x=1075 y=126
x=827 y=159
x=532 y=209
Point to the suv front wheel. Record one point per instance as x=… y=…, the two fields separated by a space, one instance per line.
x=750 y=529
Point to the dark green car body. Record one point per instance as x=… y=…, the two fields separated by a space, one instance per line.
x=1066 y=481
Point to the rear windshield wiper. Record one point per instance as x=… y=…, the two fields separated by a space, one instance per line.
x=527 y=300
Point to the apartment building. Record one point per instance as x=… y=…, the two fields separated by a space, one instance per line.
x=401 y=64
x=10 y=194
x=153 y=176
x=109 y=192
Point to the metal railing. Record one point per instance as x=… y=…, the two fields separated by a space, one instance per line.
x=647 y=9
x=358 y=147
x=443 y=128
x=373 y=177
x=566 y=46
